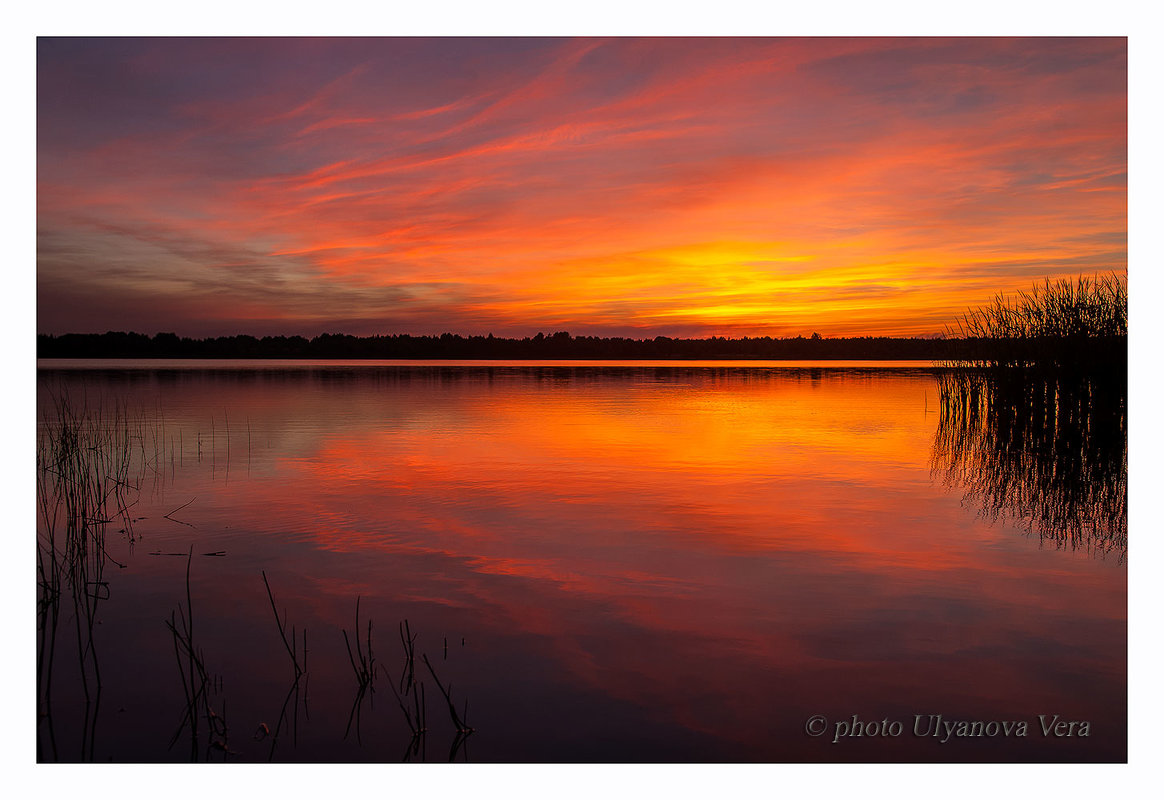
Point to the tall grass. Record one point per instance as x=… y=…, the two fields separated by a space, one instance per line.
x=197 y=683
x=365 y=670
x=86 y=480
x=93 y=463
x=1077 y=325
x=1033 y=417
x=416 y=718
x=291 y=645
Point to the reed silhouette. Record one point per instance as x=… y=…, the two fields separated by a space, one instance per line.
x=365 y=671
x=198 y=684
x=299 y=679
x=1075 y=326
x=1047 y=451
x=88 y=477
x=409 y=686
x=1033 y=417
x=93 y=464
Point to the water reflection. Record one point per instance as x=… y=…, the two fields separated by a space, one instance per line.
x=633 y=564
x=83 y=473
x=1047 y=452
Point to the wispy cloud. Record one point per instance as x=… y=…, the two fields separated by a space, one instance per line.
x=700 y=186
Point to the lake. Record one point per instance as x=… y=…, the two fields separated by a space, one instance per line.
x=643 y=562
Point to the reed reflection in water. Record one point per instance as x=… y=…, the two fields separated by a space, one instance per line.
x=612 y=563
x=1046 y=451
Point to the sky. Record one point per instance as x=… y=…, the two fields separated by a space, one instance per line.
x=628 y=186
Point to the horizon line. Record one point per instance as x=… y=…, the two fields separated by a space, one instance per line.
x=490 y=335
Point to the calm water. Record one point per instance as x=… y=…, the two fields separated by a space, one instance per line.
x=621 y=563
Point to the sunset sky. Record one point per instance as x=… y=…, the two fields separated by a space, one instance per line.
x=683 y=187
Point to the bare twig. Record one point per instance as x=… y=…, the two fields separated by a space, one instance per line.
x=283 y=629
x=176 y=510
x=457 y=721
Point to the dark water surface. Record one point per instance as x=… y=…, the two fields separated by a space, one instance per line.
x=608 y=563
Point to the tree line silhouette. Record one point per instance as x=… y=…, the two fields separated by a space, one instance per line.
x=448 y=345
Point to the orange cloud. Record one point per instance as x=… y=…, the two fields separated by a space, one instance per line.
x=696 y=187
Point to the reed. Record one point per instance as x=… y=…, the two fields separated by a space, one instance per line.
x=410 y=688
x=1046 y=451
x=365 y=670
x=1033 y=412
x=291 y=699
x=458 y=719
x=87 y=478
x=1064 y=325
x=408 y=670
x=290 y=644
x=93 y=464
x=170 y=515
x=197 y=683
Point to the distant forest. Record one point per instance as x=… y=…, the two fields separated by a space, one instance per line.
x=447 y=345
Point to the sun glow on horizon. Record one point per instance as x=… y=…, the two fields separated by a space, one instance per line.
x=689 y=187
